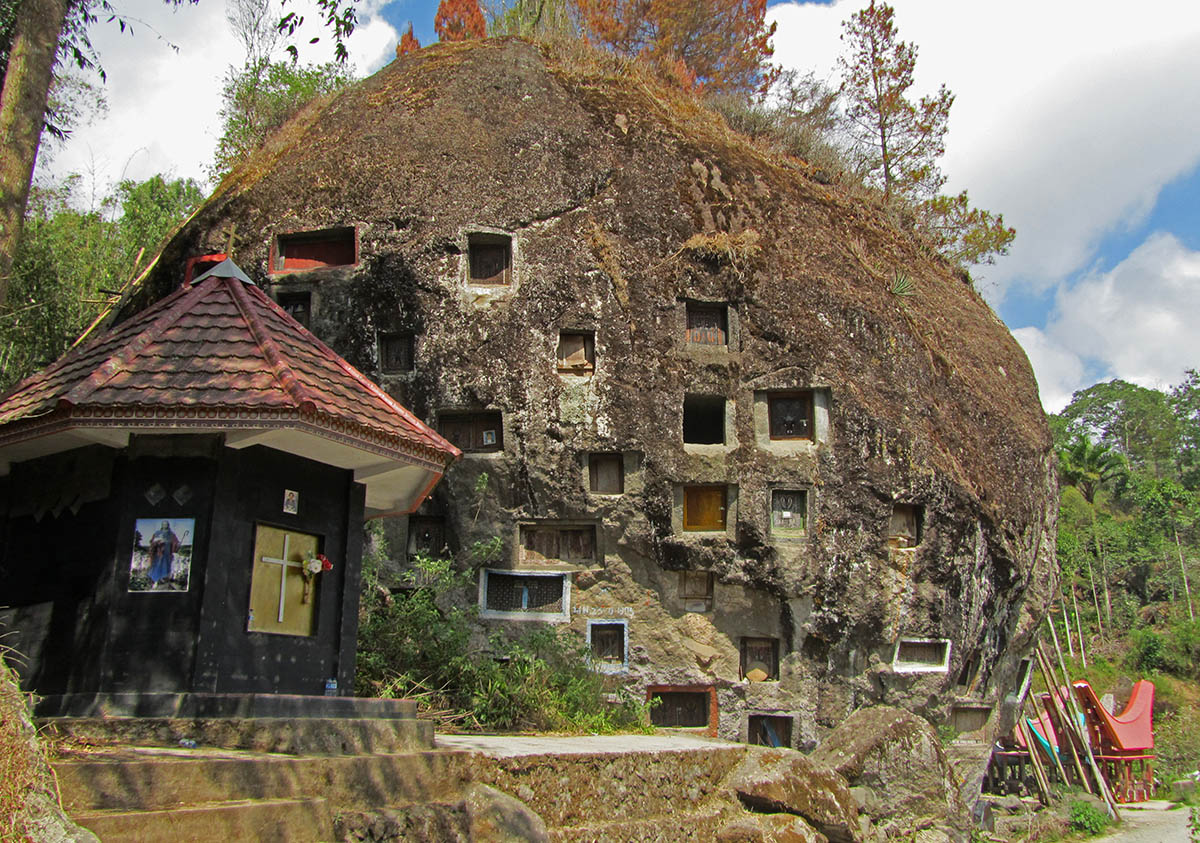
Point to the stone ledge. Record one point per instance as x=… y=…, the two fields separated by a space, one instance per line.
x=191 y=705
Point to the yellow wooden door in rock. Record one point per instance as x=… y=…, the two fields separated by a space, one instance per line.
x=278 y=602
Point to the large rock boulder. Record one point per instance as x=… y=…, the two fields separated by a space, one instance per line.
x=494 y=816
x=785 y=781
x=899 y=758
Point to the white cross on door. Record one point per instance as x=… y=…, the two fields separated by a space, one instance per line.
x=283 y=564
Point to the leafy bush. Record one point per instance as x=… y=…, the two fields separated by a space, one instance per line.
x=1087 y=819
x=1145 y=650
x=417 y=643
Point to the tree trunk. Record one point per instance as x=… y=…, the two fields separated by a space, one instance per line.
x=1095 y=597
x=39 y=24
x=1183 y=570
x=1103 y=569
x=1079 y=628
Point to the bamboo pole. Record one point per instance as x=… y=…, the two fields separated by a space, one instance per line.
x=1039 y=774
x=1079 y=628
x=1101 y=783
x=1062 y=774
x=1183 y=570
x=1064 y=716
x=1067 y=630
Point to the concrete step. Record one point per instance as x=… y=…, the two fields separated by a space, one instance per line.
x=260 y=820
x=148 y=779
x=298 y=736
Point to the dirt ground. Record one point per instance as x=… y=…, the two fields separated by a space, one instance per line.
x=1152 y=823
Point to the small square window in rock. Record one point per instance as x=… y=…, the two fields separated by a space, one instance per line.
x=769 y=730
x=907 y=522
x=760 y=659
x=576 y=352
x=922 y=655
x=606 y=639
x=606 y=474
x=489 y=259
x=696 y=590
x=704 y=507
x=704 y=420
x=707 y=324
x=395 y=352
x=680 y=709
x=298 y=306
x=477 y=432
x=427 y=536
x=315 y=249
x=790 y=415
x=524 y=593
x=789 y=512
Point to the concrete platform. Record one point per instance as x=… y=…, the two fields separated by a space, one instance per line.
x=295 y=736
x=222 y=706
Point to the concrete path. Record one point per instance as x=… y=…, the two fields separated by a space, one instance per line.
x=508 y=746
x=1150 y=822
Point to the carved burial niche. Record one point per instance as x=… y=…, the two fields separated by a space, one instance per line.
x=576 y=352
x=922 y=655
x=606 y=474
x=769 y=730
x=606 y=642
x=704 y=420
x=704 y=507
x=473 y=431
x=696 y=590
x=427 y=536
x=907 y=524
x=789 y=512
x=396 y=352
x=790 y=414
x=707 y=324
x=489 y=259
x=759 y=659
x=550 y=543
x=519 y=594
x=297 y=305
x=315 y=249
x=681 y=707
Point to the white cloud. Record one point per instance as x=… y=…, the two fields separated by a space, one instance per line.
x=1059 y=370
x=1070 y=116
x=1136 y=322
x=164 y=104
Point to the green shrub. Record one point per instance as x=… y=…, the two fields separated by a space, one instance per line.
x=416 y=643
x=1087 y=819
x=1145 y=650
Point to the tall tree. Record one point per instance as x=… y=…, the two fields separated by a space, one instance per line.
x=900 y=140
x=1088 y=466
x=40 y=28
x=1185 y=405
x=459 y=20
x=37 y=25
x=724 y=45
x=1135 y=420
x=408 y=42
x=260 y=98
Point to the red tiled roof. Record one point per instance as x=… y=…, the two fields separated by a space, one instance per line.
x=220 y=345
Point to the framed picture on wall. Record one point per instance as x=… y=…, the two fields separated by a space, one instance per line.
x=161 y=561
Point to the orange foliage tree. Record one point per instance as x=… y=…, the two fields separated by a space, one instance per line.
x=721 y=45
x=458 y=20
x=408 y=42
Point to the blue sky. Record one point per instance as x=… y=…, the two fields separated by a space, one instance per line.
x=1079 y=120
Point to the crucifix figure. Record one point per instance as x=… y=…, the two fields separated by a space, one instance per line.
x=283 y=564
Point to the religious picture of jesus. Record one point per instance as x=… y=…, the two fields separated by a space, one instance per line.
x=162 y=554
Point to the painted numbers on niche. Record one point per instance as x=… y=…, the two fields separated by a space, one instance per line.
x=603 y=611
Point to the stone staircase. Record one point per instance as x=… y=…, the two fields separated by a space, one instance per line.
x=619 y=788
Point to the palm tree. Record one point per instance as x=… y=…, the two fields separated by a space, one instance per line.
x=1088 y=466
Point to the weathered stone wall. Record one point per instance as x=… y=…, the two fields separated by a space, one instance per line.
x=602 y=182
